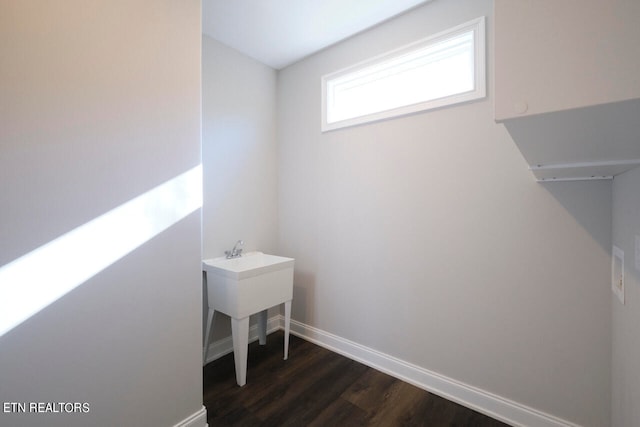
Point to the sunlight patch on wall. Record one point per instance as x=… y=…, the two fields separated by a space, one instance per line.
x=37 y=279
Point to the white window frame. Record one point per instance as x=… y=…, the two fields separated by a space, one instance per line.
x=479 y=90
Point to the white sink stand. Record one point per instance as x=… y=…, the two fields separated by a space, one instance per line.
x=240 y=335
x=245 y=286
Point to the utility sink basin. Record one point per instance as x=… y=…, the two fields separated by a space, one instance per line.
x=249 y=265
x=243 y=286
x=240 y=287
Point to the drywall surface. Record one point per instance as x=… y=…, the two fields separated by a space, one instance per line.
x=424 y=237
x=100 y=103
x=626 y=318
x=553 y=56
x=238 y=151
x=239 y=155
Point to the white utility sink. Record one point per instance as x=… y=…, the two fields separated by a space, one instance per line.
x=248 y=265
x=240 y=287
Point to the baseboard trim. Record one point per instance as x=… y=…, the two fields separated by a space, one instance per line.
x=222 y=347
x=197 y=419
x=477 y=399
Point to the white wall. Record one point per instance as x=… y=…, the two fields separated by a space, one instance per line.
x=426 y=238
x=100 y=102
x=239 y=154
x=238 y=151
x=626 y=318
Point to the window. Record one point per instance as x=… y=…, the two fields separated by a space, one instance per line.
x=444 y=69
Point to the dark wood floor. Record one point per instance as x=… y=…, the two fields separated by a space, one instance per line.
x=316 y=387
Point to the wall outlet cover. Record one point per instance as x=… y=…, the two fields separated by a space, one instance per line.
x=617 y=273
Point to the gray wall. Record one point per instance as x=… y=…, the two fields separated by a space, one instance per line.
x=100 y=102
x=239 y=155
x=238 y=151
x=426 y=238
x=626 y=318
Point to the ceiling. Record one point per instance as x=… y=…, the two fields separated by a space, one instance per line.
x=281 y=32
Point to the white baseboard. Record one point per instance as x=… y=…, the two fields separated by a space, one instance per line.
x=479 y=400
x=222 y=347
x=197 y=419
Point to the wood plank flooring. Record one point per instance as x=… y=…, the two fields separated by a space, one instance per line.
x=317 y=387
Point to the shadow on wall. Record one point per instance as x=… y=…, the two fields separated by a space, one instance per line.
x=303 y=296
x=589 y=211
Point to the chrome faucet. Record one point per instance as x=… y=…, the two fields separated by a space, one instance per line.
x=235 y=252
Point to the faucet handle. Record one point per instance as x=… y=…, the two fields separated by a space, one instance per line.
x=235 y=252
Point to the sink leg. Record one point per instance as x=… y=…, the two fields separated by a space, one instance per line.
x=240 y=333
x=210 y=321
x=287 y=326
x=262 y=327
